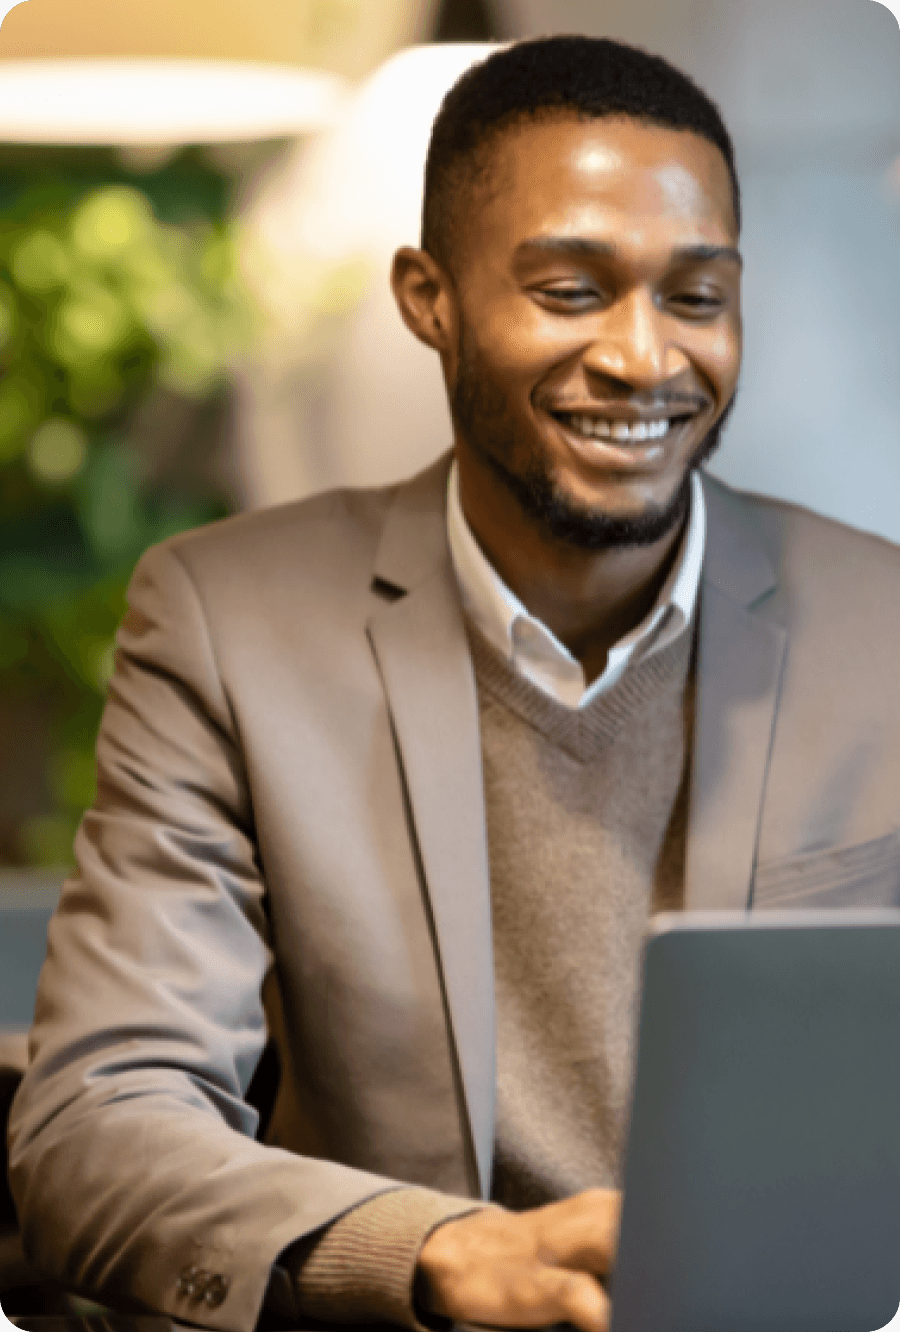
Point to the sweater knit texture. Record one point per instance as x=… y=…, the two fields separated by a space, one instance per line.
x=586 y=815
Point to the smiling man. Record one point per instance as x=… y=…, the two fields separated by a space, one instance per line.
x=394 y=779
x=588 y=319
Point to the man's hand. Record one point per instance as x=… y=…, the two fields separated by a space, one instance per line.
x=524 y=1269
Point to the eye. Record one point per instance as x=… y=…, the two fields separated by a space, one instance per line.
x=698 y=302
x=569 y=295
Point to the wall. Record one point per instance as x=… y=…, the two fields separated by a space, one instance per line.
x=811 y=92
x=811 y=89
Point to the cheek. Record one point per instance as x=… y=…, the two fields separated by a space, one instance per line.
x=508 y=347
x=511 y=331
x=718 y=355
x=509 y=341
x=526 y=350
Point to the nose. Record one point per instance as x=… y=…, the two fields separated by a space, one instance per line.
x=634 y=345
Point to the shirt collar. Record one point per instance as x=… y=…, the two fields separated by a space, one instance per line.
x=530 y=646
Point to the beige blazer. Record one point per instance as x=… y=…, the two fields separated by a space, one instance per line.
x=289 y=840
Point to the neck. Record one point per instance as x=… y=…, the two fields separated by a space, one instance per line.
x=589 y=598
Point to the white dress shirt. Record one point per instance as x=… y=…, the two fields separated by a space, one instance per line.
x=531 y=648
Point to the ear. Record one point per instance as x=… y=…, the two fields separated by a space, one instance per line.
x=425 y=298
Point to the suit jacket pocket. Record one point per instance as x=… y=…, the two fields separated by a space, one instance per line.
x=866 y=874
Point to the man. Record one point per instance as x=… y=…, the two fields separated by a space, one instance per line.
x=387 y=775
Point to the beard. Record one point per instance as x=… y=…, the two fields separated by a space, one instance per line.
x=482 y=415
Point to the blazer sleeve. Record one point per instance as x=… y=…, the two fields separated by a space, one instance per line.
x=132 y=1153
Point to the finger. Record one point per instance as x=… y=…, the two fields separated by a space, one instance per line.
x=578 y=1299
x=581 y=1232
x=529 y=1295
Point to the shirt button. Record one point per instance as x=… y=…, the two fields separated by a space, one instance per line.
x=216 y=1291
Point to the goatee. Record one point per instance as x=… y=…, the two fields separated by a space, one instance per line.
x=481 y=414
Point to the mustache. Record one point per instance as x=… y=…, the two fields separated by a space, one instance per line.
x=666 y=404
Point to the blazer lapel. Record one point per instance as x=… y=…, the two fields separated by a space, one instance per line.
x=741 y=654
x=420 y=643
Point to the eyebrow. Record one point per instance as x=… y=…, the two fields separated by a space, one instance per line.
x=579 y=247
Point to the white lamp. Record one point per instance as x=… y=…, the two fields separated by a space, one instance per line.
x=123 y=101
x=379 y=411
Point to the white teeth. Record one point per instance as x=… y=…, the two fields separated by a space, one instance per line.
x=637 y=433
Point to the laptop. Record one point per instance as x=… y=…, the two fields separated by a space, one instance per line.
x=762 y=1170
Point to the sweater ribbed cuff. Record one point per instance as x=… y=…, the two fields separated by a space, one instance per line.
x=361 y=1269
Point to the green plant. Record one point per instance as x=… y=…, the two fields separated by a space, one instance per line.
x=120 y=304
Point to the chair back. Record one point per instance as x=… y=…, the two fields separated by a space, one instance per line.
x=26 y=904
x=25 y=910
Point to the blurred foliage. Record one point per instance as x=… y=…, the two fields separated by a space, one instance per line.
x=114 y=290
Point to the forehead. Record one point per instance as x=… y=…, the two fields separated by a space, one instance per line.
x=565 y=176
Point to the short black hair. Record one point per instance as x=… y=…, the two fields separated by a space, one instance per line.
x=586 y=77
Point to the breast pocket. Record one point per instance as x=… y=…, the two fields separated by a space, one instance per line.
x=866 y=874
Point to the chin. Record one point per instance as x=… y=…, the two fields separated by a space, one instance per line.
x=590 y=527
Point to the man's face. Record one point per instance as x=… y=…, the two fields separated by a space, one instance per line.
x=598 y=290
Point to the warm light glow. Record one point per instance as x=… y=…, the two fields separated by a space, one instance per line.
x=110 y=101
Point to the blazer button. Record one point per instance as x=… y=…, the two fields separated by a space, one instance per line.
x=187 y=1283
x=216 y=1291
x=202 y=1285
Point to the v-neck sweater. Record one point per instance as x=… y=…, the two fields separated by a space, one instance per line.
x=586 y=817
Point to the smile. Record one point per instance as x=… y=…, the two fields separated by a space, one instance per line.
x=622 y=432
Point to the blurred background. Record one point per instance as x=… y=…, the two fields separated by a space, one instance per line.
x=198 y=205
